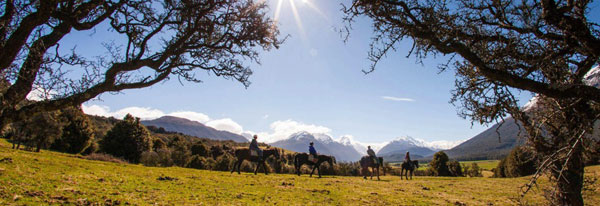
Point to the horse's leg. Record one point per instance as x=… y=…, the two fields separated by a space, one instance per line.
x=313 y=170
x=265 y=167
x=378 y=173
x=298 y=166
x=233 y=169
x=319 y=171
x=257 y=166
x=401 y=173
x=239 y=165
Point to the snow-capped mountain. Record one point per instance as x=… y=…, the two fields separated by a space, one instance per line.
x=498 y=140
x=324 y=144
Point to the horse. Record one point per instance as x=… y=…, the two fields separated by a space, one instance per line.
x=244 y=154
x=409 y=167
x=302 y=158
x=366 y=162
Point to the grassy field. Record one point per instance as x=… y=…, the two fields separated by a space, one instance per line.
x=30 y=178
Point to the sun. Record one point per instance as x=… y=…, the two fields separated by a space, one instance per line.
x=297 y=18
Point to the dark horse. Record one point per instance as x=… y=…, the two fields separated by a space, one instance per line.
x=366 y=162
x=244 y=154
x=409 y=167
x=302 y=158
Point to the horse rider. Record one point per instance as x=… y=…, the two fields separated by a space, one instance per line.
x=372 y=155
x=407 y=158
x=312 y=151
x=254 y=147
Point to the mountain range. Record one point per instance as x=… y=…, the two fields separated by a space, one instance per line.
x=324 y=144
x=193 y=128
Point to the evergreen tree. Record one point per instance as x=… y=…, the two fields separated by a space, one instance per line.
x=127 y=139
x=439 y=164
x=77 y=133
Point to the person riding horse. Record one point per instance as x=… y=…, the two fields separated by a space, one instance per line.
x=254 y=147
x=371 y=154
x=407 y=158
x=312 y=152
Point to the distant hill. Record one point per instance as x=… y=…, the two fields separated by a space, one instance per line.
x=193 y=128
x=395 y=150
x=324 y=144
x=490 y=144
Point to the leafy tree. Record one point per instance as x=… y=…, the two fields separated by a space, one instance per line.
x=519 y=162
x=180 y=152
x=77 y=134
x=498 y=48
x=127 y=139
x=439 y=164
x=40 y=130
x=149 y=41
x=455 y=169
x=474 y=170
x=200 y=149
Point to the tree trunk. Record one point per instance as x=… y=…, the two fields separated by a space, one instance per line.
x=571 y=183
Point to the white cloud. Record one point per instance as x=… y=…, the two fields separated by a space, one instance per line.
x=40 y=94
x=145 y=113
x=194 y=116
x=226 y=125
x=398 y=99
x=283 y=129
x=266 y=116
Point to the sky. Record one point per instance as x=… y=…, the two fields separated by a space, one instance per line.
x=313 y=83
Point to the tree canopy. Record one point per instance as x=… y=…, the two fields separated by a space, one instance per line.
x=547 y=47
x=151 y=41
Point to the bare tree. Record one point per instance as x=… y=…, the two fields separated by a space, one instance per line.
x=151 y=41
x=500 y=47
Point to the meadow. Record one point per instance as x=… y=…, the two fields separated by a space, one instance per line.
x=48 y=177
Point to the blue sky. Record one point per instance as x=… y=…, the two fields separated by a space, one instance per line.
x=313 y=82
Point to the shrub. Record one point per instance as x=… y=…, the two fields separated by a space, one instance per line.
x=455 y=169
x=519 y=162
x=223 y=162
x=200 y=149
x=77 y=133
x=473 y=171
x=127 y=139
x=439 y=164
x=150 y=158
x=105 y=157
x=164 y=155
x=199 y=162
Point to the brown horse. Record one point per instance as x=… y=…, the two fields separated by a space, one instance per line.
x=302 y=158
x=244 y=154
x=366 y=162
x=409 y=167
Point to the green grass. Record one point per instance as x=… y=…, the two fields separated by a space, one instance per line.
x=55 y=178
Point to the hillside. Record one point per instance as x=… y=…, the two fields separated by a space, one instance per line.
x=395 y=150
x=193 y=128
x=324 y=144
x=56 y=178
x=494 y=143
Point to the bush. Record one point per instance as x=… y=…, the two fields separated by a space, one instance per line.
x=439 y=164
x=127 y=139
x=77 y=134
x=455 y=169
x=164 y=156
x=199 y=162
x=473 y=170
x=150 y=158
x=224 y=162
x=200 y=149
x=519 y=162
x=105 y=157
